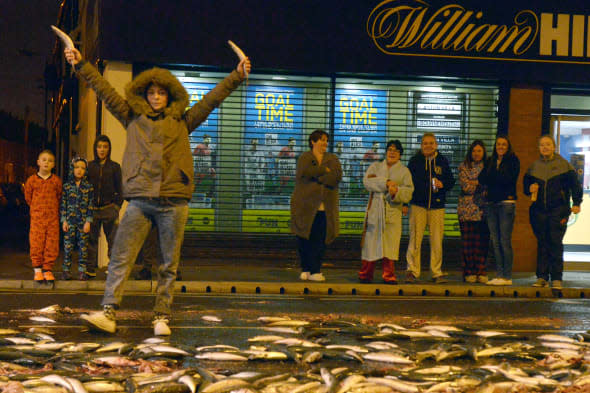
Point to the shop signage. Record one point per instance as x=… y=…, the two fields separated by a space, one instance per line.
x=415 y=28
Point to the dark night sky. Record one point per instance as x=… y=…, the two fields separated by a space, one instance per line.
x=25 y=43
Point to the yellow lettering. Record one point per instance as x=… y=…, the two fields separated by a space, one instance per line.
x=559 y=34
x=344 y=108
x=288 y=113
x=409 y=38
x=364 y=105
x=578 y=36
x=446 y=27
x=270 y=97
x=372 y=117
x=460 y=24
x=259 y=100
x=360 y=117
x=278 y=113
x=457 y=42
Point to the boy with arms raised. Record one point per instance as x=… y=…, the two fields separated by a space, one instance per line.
x=157 y=174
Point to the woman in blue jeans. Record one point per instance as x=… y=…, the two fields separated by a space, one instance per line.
x=499 y=176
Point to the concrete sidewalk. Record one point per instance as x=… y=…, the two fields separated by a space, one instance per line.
x=267 y=277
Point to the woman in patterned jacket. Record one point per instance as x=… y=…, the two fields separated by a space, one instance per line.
x=475 y=235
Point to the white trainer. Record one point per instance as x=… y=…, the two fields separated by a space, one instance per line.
x=304 y=276
x=496 y=281
x=317 y=277
x=103 y=321
x=161 y=328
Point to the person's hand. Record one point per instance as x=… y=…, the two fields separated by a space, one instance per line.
x=393 y=189
x=86 y=228
x=390 y=183
x=533 y=188
x=405 y=210
x=73 y=56
x=244 y=64
x=438 y=183
x=65 y=226
x=576 y=209
x=328 y=170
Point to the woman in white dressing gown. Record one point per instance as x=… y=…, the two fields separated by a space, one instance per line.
x=389 y=183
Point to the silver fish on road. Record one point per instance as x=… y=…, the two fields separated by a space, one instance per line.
x=221 y=356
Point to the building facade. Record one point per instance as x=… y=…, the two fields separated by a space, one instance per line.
x=367 y=72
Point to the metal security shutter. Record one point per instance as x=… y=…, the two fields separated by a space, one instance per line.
x=371 y=112
x=246 y=152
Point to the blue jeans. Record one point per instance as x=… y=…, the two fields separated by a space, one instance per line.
x=500 y=222
x=169 y=215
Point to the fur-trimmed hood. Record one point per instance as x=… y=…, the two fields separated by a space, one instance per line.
x=135 y=92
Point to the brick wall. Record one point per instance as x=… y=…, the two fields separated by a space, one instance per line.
x=524 y=127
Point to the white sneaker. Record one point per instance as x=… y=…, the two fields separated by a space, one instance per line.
x=507 y=281
x=317 y=277
x=482 y=279
x=496 y=281
x=101 y=320
x=161 y=328
x=304 y=276
x=471 y=278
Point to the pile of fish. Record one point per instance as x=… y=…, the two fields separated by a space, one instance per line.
x=334 y=357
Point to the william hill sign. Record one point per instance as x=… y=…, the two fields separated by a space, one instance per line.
x=414 y=28
x=538 y=41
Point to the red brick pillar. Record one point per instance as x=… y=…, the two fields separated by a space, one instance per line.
x=524 y=128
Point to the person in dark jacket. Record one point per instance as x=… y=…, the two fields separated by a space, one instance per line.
x=158 y=176
x=76 y=215
x=499 y=176
x=551 y=182
x=105 y=176
x=432 y=178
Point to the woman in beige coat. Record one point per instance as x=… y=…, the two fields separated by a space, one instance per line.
x=314 y=204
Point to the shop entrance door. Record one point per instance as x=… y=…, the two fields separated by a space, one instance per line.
x=572 y=134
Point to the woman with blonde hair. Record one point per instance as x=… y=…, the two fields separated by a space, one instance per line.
x=552 y=183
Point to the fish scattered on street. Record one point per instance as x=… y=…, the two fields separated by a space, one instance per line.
x=421 y=358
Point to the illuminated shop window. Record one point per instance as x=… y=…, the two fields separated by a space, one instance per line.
x=245 y=154
x=570 y=125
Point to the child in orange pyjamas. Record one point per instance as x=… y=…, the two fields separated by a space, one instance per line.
x=43 y=193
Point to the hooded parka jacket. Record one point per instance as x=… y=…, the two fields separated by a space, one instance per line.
x=157 y=161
